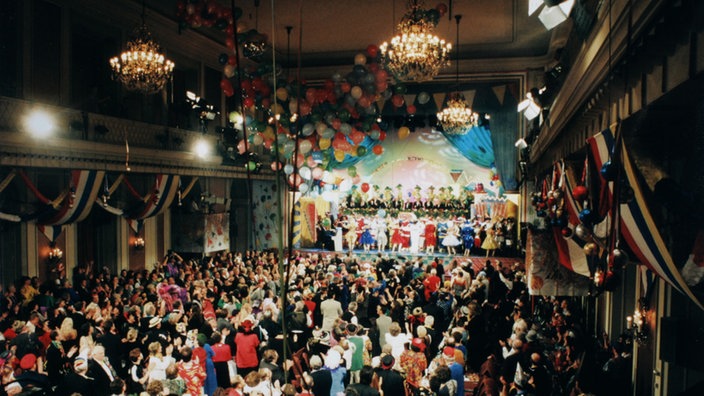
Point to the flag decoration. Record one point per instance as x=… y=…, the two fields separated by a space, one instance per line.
x=75 y=206
x=158 y=200
x=637 y=226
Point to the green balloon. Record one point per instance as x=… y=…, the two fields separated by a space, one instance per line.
x=352 y=171
x=251 y=165
x=361 y=150
x=261 y=127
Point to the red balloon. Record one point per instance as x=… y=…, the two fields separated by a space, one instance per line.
x=246 y=85
x=382 y=136
x=345 y=87
x=365 y=187
x=397 y=100
x=579 y=193
x=304 y=107
x=357 y=137
x=411 y=109
x=378 y=149
x=230 y=29
x=373 y=67
x=248 y=102
x=232 y=60
x=372 y=50
x=226 y=87
x=230 y=42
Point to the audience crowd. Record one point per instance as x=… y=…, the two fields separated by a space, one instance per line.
x=223 y=326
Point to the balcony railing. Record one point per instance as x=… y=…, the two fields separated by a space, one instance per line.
x=83 y=139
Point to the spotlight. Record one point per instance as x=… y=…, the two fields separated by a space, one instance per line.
x=521 y=144
x=202 y=148
x=552 y=16
x=39 y=124
x=529 y=108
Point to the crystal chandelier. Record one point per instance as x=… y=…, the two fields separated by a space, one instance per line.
x=416 y=54
x=456 y=118
x=142 y=67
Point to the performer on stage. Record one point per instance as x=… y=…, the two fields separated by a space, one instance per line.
x=405 y=235
x=451 y=240
x=417 y=230
x=382 y=239
x=396 y=238
x=351 y=235
x=367 y=240
x=489 y=243
x=430 y=239
x=467 y=233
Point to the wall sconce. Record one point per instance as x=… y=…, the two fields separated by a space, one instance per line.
x=55 y=254
x=139 y=243
x=636 y=325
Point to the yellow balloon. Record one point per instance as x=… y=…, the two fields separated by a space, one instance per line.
x=403 y=132
x=277 y=109
x=339 y=155
x=324 y=144
x=282 y=94
x=268 y=132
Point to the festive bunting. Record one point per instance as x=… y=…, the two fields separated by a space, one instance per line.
x=500 y=92
x=85 y=186
x=637 y=225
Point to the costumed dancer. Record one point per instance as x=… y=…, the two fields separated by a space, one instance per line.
x=451 y=240
x=351 y=235
x=489 y=244
x=417 y=231
x=442 y=232
x=396 y=238
x=467 y=233
x=382 y=239
x=367 y=240
x=430 y=239
x=406 y=235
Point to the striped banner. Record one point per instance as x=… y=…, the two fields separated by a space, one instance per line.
x=76 y=206
x=637 y=225
x=297 y=224
x=163 y=194
x=570 y=250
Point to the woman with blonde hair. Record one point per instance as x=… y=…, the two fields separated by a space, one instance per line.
x=157 y=362
x=67 y=334
x=396 y=339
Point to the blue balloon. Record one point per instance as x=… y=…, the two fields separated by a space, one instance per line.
x=381 y=213
x=586 y=217
x=608 y=171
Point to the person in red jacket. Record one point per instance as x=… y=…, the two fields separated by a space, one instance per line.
x=223 y=354
x=247 y=343
x=431 y=284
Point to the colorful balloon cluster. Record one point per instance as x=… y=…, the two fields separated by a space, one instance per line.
x=320 y=128
x=210 y=13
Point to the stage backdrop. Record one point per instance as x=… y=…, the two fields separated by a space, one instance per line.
x=422 y=159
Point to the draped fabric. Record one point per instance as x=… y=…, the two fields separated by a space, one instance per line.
x=297 y=224
x=570 y=250
x=85 y=186
x=638 y=228
x=51 y=232
x=475 y=145
x=156 y=202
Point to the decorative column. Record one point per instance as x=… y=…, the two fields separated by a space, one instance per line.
x=30 y=259
x=150 y=247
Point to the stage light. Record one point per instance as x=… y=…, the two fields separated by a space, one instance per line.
x=552 y=16
x=201 y=148
x=39 y=124
x=529 y=108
